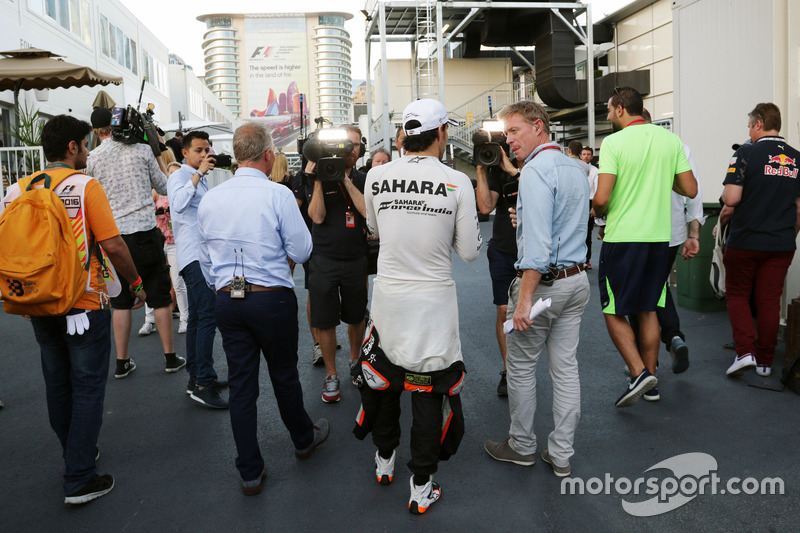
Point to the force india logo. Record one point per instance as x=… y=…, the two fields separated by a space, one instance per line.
x=783 y=169
x=417 y=207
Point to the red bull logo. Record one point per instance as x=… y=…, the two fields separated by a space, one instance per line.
x=782 y=160
x=784 y=169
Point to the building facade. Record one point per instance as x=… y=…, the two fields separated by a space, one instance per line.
x=275 y=67
x=103 y=35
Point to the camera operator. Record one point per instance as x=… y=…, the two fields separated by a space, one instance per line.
x=502 y=250
x=338 y=266
x=128 y=174
x=187 y=186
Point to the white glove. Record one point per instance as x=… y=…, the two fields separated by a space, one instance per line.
x=78 y=323
x=538 y=307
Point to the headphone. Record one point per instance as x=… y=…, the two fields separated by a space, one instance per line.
x=362 y=147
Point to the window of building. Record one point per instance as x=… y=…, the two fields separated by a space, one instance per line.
x=218 y=22
x=331 y=20
x=154 y=71
x=116 y=45
x=72 y=15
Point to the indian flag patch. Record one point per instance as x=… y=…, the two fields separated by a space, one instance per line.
x=451 y=187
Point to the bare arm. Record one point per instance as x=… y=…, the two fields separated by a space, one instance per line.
x=605 y=185
x=725 y=216
x=797 y=223
x=356 y=196
x=692 y=245
x=685 y=184
x=732 y=194
x=316 y=207
x=117 y=251
x=487 y=199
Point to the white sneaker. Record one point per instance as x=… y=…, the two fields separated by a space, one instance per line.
x=316 y=356
x=763 y=370
x=741 y=364
x=182 y=328
x=423 y=496
x=146 y=329
x=384 y=468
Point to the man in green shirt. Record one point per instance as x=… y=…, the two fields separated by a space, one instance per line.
x=639 y=165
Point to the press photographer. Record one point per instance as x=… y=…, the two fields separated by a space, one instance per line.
x=126 y=166
x=338 y=266
x=497 y=188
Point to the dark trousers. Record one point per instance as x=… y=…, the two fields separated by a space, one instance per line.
x=426 y=428
x=263 y=322
x=75 y=370
x=668 y=319
x=589 y=236
x=201 y=327
x=758 y=275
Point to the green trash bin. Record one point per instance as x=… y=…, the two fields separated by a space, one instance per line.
x=694 y=288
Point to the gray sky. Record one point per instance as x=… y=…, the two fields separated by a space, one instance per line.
x=176 y=24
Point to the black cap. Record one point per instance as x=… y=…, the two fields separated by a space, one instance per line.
x=101 y=117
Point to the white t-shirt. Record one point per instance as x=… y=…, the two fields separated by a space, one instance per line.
x=421 y=210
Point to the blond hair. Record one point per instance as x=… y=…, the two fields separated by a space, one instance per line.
x=280 y=169
x=529 y=111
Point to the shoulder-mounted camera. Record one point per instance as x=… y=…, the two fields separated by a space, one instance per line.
x=129 y=126
x=327 y=148
x=489 y=143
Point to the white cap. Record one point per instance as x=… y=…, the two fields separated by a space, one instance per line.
x=428 y=112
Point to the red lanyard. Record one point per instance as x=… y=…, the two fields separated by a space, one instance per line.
x=637 y=121
x=346 y=197
x=547 y=148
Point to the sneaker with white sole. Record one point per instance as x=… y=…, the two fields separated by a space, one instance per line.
x=680 y=355
x=384 y=468
x=560 y=471
x=146 y=329
x=741 y=364
x=94 y=488
x=173 y=363
x=764 y=370
x=124 y=367
x=316 y=355
x=330 y=389
x=636 y=388
x=423 y=496
x=652 y=395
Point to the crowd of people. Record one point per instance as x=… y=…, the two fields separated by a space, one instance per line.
x=226 y=257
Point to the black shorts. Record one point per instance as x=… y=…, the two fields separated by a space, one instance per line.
x=147 y=251
x=337 y=290
x=631 y=276
x=502 y=271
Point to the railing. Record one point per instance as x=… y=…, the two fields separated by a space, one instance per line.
x=18 y=162
x=473 y=112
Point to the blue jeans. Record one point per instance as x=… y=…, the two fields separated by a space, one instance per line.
x=262 y=323
x=75 y=370
x=201 y=327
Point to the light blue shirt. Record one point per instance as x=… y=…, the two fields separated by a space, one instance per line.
x=552 y=204
x=260 y=220
x=184 y=198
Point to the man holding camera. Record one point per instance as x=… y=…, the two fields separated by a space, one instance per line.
x=502 y=250
x=551 y=233
x=187 y=186
x=338 y=266
x=128 y=173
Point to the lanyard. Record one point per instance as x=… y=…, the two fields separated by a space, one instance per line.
x=346 y=197
x=637 y=121
x=546 y=148
x=58 y=165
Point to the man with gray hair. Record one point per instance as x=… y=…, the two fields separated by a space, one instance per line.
x=248 y=227
x=551 y=244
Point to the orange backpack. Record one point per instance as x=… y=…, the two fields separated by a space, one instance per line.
x=40 y=270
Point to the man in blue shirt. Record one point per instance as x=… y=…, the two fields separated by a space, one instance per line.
x=552 y=204
x=186 y=187
x=247 y=228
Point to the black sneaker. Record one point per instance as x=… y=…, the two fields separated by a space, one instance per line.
x=209 y=397
x=190 y=386
x=96 y=487
x=173 y=363
x=638 y=386
x=321 y=431
x=502 y=387
x=652 y=395
x=124 y=367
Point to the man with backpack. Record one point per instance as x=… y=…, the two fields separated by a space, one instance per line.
x=68 y=218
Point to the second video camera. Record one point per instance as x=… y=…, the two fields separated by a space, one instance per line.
x=489 y=143
x=128 y=126
x=328 y=148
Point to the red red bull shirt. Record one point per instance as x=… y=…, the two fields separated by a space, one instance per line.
x=765 y=219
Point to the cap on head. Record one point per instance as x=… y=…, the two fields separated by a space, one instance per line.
x=425 y=115
x=101 y=117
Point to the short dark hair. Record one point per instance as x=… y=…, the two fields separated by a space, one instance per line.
x=591 y=150
x=768 y=114
x=421 y=142
x=192 y=135
x=575 y=148
x=59 y=131
x=630 y=100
